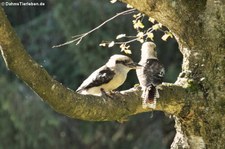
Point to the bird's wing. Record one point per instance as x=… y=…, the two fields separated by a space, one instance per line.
x=100 y=76
x=154 y=71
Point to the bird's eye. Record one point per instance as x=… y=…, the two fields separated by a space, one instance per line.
x=118 y=61
x=127 y=62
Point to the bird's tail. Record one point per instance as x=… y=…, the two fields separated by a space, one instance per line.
x=149 y=96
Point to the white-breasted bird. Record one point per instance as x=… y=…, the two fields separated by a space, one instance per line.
x=108 y=77
x=150 y=75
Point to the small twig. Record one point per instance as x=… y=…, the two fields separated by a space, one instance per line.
x=133 y=38
x=126 y=42
x=78 y=38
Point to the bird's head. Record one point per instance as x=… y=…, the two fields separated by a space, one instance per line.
x=122 y=61
x=148 y=50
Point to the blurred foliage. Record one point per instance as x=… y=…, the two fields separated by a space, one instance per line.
x=27 y=122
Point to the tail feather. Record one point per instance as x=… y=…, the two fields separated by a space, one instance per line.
x=149 y=96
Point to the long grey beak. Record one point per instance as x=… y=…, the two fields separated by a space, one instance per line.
x=134 y=66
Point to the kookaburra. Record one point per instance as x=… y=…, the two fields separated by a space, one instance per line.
x=150 y=75
x=108 y=77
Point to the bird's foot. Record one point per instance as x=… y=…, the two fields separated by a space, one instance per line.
x=105 y=95
x=113 y=93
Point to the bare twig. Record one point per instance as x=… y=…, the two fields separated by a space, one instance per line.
x=132 y=38
x=78 y=38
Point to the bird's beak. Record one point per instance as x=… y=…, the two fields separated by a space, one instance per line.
x=134 y=66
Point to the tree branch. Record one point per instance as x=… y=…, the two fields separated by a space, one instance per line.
x=68 y=102
x=78 y=38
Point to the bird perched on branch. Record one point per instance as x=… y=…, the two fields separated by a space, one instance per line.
x=108 y=77
x=150 y=75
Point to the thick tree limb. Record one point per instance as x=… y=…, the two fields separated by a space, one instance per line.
x=66 y=101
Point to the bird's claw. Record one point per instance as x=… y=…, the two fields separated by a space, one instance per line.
x=113 y=93
x=105 y=95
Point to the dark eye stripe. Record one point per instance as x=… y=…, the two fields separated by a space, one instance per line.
x=122 y=62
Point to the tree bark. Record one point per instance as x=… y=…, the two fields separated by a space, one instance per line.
x=197 y=99
x=199 y=27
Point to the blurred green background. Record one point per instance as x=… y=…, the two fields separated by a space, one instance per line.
x=26 y=122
